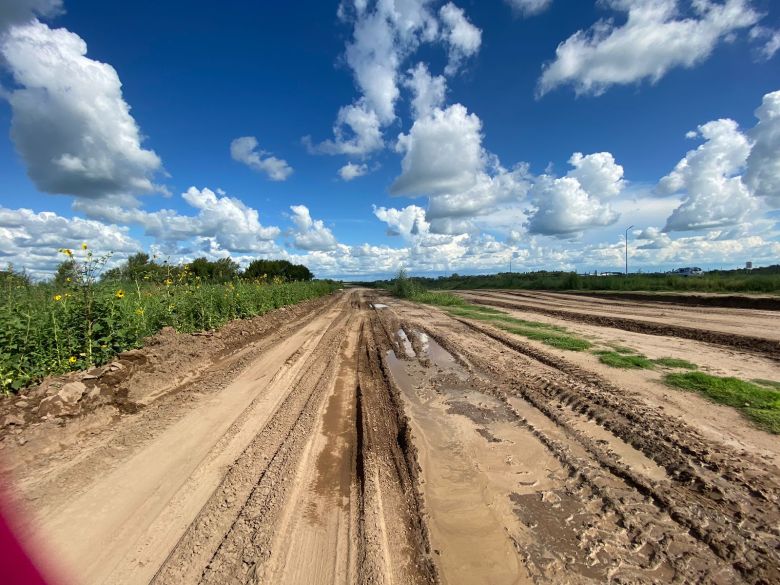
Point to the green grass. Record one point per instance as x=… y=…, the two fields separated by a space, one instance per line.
x=551 y=335
x=438 y=299
x=621 y=348
x=668 y=362
x=768 y=383
x=758 y=403
x=625 y=361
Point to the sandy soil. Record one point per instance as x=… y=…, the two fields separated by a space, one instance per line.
x=359 y=439
x=747 y=330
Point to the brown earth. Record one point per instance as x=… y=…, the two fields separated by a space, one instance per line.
x=748 y=330
x=360 y=439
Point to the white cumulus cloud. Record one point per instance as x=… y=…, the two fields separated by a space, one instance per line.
x=31 y=240
x=463 y=38
x=428 y=92
x=70 y=123
x=655 y=38
x=567 y=206
x=244 y=150
x=308 y=233
x=763 y=164
x=232 y=224
x=715 y=195
x=352 y=171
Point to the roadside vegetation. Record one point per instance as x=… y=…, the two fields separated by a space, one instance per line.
x=759 y=403
x=85 y=315
x=757 y=280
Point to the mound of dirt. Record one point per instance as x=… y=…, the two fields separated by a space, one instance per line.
x=166 y=362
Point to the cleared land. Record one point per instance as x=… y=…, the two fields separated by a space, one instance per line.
x=362 y=439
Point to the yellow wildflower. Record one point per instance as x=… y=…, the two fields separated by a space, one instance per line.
x=58 y=298
x=84 y=246
x=72 y=359
x=68 y=279
x=167 y=282
x=66 y=251
x=139 y=311
x=120 y=294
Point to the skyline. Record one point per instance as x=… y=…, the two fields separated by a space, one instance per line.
x=361 y=137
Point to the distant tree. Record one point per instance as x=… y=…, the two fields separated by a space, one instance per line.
x=11 y=276
x=222 y=270
x=281 y=268
x=66 y=272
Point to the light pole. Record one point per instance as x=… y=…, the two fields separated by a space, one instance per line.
x=628 y=228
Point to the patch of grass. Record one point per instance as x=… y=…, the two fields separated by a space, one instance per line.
x=767 y=383
x=551 y=335
x=552 y=338
x=669 y=362
x=759 y=404
x=438 y=299
x=625 y=361
x=622 y=348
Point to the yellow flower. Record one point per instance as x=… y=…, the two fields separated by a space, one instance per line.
x=67 y=279
x=66 y=251
x=84 y=246
x=120 y=294
x=139 y=311
x=168 y=282
x=58 y=298
x=72 y=359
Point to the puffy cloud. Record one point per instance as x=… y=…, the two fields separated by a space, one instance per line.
x=385 y=33
x=463 y=38
x=357 y=132
x=715 y=196
x=598 y=173
x=444 y=160
x=352 y=171
x=428 y=92
x=408 y=222
x=13 y=12
x=231 y=224
x=70 y=123
x=567 y=206
x=310 y=234
x=31 y=240
x=529 y=7
x=654 y=39
x=442 y=153
x=763 y=164
x=244 y=150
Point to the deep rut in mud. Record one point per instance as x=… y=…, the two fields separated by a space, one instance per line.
x=372 y=441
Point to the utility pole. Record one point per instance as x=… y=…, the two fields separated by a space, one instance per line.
x=628 y=228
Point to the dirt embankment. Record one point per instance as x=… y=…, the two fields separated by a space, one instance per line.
x=362 y=440
x=759 y=302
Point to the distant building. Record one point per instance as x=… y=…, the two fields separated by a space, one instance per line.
x=748 y=265
x=688 y=271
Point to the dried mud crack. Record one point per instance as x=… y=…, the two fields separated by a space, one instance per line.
x=359 y=439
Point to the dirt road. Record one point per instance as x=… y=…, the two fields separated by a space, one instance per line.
x=748 y=330
x=359 y=439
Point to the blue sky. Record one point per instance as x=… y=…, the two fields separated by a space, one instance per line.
x=470 y=115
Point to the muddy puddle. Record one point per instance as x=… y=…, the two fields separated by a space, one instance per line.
x=476 y=461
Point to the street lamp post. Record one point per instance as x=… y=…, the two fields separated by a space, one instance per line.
x=628 y=228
